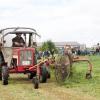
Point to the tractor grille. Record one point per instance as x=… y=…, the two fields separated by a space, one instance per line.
x=25 y=57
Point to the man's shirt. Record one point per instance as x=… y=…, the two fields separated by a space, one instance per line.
x=17 y=39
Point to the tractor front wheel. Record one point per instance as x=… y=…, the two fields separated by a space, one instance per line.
x=35 y=82
x=5 y=75
x=43 y=76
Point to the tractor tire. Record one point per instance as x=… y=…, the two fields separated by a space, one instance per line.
x=35 y=82
x=5 y=75
x=43 y=76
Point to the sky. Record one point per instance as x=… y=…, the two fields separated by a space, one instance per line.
x=56 y=20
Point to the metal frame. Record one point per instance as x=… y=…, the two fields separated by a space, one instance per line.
x=15 y=30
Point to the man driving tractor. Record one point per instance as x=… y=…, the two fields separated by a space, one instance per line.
x=18 y=41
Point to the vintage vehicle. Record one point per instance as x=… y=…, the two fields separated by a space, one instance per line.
x=21 y=59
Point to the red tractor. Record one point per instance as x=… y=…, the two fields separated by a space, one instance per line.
x=21 y=59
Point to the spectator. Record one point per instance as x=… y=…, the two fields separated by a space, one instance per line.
x=78 y=52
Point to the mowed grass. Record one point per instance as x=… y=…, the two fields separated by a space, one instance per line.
x=87 y=86
x=21 y=88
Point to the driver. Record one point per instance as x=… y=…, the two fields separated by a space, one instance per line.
x=18 y=41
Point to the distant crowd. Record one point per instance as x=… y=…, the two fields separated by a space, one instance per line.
x=75 y=51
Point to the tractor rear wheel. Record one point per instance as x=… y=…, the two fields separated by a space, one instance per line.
x=35 y=82
x=5 y=75
x=43 y=76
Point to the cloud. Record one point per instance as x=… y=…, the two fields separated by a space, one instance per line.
x=59 y=20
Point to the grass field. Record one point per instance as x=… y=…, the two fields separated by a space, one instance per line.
x=78 y=81
x=75 y=88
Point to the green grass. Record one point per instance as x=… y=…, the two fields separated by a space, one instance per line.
x=20 y=88
x=88 y=86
